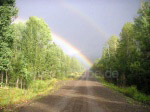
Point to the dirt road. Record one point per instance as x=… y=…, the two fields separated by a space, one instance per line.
x=83 y=95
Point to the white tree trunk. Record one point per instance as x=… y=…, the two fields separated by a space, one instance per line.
x=2 y=79
x=6 y=79
x=21 y=83
x=17 y=82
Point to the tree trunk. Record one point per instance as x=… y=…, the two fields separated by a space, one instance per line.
x=41 y=76
x=2 y=79
x=123 y=80
x=17 y=82
x=21 y=83
x=49 y=75
x=6 y=78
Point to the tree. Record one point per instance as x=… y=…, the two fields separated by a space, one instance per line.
x=7 y=13
x=131 y=57
x=28 y=53
x=35 y=41
x=142 y=35
x=124 y=51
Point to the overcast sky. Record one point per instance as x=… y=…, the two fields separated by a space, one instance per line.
x=86 y=24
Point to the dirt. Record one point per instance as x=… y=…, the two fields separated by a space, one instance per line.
x=83 y=95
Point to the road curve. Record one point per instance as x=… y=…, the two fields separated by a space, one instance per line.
x=83 y=95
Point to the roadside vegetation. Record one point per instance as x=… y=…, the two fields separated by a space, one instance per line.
x=125 y=61
x=131 y=91
x=10 y=96
x=30 y=62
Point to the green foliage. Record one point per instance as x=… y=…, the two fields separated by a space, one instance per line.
x=34 y=56
x=128 y=91
x=41 y=85
x=29 y=59
x=7 y=13
x=27 y=52
x=11 y=95
x=7 y=2
x=130 y=55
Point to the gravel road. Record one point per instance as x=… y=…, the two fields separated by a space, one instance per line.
x=83 y=95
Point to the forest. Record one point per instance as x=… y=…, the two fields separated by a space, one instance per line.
x=125 y=60
x=27 y=51
x=37 y=75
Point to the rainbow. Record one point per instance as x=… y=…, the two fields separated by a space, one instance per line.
x=63 y=43
x=85 y=18
x=66 y=46
x=71 y=50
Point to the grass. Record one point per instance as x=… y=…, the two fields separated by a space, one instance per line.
x=131 y=92
x=12 y=95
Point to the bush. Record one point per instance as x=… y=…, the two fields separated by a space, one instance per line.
x=130 y=91
x=41 y=85
x=11 y=95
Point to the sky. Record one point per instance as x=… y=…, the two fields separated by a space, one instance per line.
x=85 y=25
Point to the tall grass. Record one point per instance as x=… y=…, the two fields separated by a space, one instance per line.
x=11 y=95
x=131 y=92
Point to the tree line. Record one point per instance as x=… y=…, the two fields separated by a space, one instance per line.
x=27 y=51
x=129 y=55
